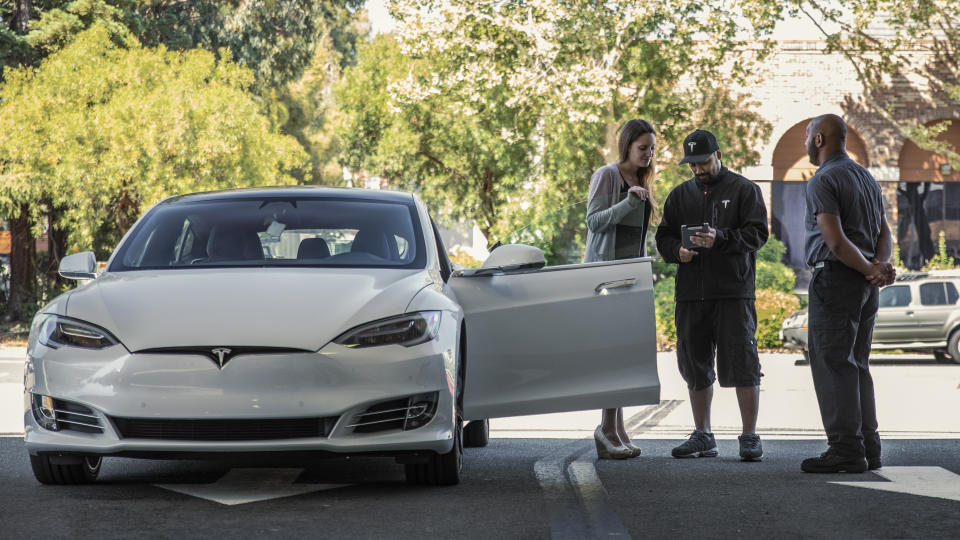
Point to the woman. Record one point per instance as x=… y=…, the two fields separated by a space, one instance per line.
x=618 y=211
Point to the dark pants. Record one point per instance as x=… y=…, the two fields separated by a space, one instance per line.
x=843 y=307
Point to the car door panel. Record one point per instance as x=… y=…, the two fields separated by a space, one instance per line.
x=934 y=310
x=896 y=316
x=559 y=339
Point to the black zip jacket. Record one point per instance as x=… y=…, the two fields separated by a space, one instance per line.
x=733 y=206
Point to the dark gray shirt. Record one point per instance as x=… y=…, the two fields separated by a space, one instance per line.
x=844 y=188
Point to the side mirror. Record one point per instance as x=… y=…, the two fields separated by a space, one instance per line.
x=79 y=266
x=515 y=257
x=509 y=259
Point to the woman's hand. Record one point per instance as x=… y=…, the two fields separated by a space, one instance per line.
x=639 y=192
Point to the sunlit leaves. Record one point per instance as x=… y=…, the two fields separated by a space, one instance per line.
x=104 y=131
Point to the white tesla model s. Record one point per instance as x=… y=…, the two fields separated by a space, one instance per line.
x=320 y=321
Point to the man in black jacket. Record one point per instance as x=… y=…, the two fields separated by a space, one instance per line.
x=716 y=278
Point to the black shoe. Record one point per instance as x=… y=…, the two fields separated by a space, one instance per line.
x=874 y=463
x=700 y=444
x=750 y=447
x=829 y=462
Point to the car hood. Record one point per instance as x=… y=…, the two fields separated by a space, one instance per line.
x=303 y=308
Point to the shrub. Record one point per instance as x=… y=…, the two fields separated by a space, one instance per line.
x=665 y=309
x=772 y=308
x=775 y=276
x=940 y=261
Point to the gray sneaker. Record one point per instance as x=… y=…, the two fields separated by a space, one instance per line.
x=699 y=444
x=750 y=447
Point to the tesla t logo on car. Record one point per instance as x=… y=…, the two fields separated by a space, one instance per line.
x=222 y=355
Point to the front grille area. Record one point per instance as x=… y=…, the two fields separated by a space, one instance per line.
x=74 y=417
x=63 y=415
x=223 y=430
x=403 y=414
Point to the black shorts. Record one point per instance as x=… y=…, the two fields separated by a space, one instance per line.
x=723 y=328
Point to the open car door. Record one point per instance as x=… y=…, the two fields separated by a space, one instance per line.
x=560 y=338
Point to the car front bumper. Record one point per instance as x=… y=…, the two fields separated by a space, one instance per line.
x=335 y=383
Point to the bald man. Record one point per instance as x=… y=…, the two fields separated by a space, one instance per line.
x=848 y=245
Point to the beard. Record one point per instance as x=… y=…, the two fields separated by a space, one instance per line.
x=812 y=154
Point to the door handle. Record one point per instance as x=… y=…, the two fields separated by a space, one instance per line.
x=619 y=284
x=910 y=313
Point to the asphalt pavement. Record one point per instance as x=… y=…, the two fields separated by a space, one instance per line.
x=539 y=478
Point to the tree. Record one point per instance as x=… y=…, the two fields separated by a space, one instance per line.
x=499 y=111
x=892 y=44
x=104 y=130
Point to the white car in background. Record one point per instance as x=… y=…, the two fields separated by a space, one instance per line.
x=318 y=321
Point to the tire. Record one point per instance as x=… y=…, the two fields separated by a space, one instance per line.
x=441 y=469
x=84 y=472
x=953 y=346
x=476 y=434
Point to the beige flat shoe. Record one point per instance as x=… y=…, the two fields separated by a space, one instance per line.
x=608 y=450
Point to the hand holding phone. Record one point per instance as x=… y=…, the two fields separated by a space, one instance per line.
x=686 y=234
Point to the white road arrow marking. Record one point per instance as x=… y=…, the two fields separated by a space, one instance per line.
x=241 y=486
x=925 y=481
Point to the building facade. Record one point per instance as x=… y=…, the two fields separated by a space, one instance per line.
x=921 y=189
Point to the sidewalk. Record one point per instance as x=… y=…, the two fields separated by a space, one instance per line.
x=913 y=402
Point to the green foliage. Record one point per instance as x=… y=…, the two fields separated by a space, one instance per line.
x=940 y=261
x=498 y=112
x=772 y=308
x=772 y=274
x=103 y=131
x=772 y=251
x=666 y=308
x=775 y=277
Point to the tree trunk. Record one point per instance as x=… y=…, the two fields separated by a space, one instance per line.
x=23 y=246
x=56 y=244
x=22 y=10
x=23 y=250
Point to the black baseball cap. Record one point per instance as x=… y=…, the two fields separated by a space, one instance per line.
x=698 y=146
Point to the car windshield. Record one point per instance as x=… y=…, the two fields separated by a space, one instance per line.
x=275 y=231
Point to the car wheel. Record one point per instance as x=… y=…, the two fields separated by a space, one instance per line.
x=441 y=469
x=73 y=473
x=476 y=434
x=953 y=347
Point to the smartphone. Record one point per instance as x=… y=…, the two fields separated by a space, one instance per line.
x=687 y=232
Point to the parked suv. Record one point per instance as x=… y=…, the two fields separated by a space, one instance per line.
x=919 y=312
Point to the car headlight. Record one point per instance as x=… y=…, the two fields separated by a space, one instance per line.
x=55 y=331
x=407 y=330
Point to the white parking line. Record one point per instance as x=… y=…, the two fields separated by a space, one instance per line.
x=577 y=504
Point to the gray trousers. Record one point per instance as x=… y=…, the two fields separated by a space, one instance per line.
x=843 y=308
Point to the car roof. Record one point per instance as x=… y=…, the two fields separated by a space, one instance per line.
x=932 y=274
x=290 y=192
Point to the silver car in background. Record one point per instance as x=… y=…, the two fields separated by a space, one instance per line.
x=920 y=312
x=320 y=321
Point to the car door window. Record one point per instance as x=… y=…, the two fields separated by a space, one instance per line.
x=896 y=296
x=938 y=293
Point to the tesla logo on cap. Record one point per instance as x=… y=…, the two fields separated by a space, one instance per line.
x=725 y=202
x=222 y=354
x=691 y=144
